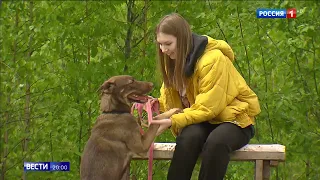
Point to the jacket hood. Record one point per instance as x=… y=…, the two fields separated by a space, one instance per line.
x=202 y=44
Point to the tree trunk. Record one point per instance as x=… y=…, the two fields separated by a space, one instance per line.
x=307 y=169
x=145 y=32
x=130 y=21
x=28 y=96
x=5 y=142
x=7 y=113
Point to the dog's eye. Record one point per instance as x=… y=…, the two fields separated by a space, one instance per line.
x=131 y=81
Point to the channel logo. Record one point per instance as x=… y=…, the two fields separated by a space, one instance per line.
x=277 y=13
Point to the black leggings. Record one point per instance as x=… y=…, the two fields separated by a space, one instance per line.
x=215 y=142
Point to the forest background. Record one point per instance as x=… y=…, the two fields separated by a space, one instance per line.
x=55 y=55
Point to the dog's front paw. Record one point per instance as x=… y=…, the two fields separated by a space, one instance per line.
x=168 y=114
x=175 y=111
x=142 y=154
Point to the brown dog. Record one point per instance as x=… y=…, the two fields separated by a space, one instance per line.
x=115 y=136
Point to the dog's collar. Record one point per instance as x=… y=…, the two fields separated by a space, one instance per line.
x=115 y=112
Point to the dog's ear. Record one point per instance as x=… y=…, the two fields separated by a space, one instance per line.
x=107 y=87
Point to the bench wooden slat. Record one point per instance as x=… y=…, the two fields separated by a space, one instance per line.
x=250 y=152
x=265 y=156
x=259 y=169
x=266 y=169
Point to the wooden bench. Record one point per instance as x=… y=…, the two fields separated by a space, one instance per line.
x=264 y=156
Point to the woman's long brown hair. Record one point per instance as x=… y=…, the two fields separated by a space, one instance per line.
x=173 y=70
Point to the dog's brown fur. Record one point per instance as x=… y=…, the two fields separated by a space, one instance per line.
x=115 y=136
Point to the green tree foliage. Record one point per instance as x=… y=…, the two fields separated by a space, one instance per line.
x=55 y=55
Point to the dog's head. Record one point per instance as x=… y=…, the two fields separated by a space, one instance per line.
x=125 y=90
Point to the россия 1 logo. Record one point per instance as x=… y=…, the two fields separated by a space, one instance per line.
x=277 y=13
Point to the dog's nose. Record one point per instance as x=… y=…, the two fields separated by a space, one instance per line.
x=150 y=84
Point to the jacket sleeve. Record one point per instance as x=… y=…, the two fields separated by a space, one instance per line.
x=161 y=99
x=247 y=95
x=212 y=97
x=169 y=98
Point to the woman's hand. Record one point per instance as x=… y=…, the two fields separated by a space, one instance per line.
x=164 y=124
x=153 y=100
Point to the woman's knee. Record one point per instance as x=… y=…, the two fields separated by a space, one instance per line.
x=225 y=139
x=215 y=148
x=192 y=136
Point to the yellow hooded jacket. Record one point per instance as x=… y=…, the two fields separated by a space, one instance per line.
x=216 y=91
